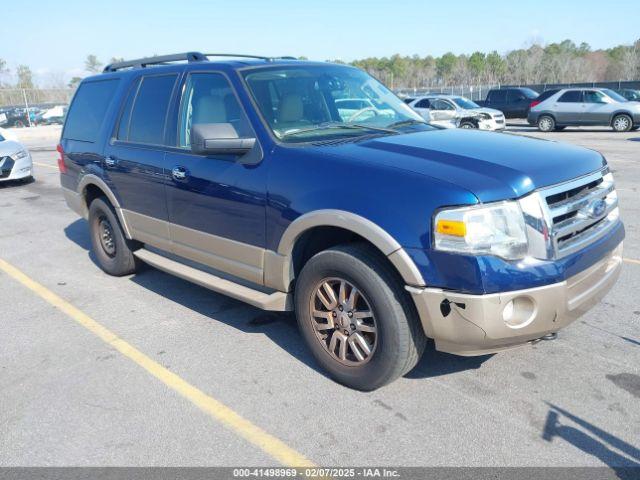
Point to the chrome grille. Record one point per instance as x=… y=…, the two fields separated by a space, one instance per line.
x=565 y=218
x=579 y=212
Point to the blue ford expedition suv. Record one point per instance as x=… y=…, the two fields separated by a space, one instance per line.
x=242 y=175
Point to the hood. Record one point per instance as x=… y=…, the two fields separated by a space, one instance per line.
x=493 y=166
x=9 y=147
x=491 y=111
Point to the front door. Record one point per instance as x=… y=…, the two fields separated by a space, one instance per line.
x=443 y=113
x=216 y=203
x=597 y=109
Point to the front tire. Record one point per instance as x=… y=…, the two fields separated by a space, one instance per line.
x=622 y=123
x=546 y=123
x=468 y=125
x=356 y=318
x=111 y=248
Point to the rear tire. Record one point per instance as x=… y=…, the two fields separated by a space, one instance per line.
x=393 y=335
x=546 y=123
x=111 y=248
x=622 y=123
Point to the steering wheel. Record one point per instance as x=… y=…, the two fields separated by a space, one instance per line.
x=361 y=111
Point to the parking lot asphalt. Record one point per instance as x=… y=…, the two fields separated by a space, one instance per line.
x=152 y=370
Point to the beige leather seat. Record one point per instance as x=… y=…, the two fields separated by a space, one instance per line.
x=291 y=112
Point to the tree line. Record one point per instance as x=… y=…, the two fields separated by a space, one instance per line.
x=563 y=62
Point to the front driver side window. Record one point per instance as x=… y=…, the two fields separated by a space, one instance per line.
x=209 y=98
x=591 y=96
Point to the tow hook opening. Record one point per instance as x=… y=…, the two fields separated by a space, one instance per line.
x=445 y=306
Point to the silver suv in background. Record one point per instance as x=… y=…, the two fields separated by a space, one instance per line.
x=453 y=111
x=585 y=107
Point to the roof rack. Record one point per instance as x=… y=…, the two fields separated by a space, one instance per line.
x=180 y=57
x=157 y=60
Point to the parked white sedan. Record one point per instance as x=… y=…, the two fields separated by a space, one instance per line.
x=15 y=159
x=451 y=111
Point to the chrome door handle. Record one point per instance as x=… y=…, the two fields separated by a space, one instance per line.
x=110 y=161
x=179 y=173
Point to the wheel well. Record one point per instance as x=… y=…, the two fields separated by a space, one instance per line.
x=317 y=239
x=615 y=114
x=469 y=120
x=91 y=192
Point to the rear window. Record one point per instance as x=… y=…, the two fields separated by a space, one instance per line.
x=89 y=107
x=149 y=113
x=546 y=94
x=572 y=96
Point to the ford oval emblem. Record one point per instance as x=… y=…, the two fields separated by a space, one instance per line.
x=596 y=208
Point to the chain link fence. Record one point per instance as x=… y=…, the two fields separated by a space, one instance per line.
x=23 y=98
x=479 y=92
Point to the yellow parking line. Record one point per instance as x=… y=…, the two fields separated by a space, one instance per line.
x=631 y=260
x=214 y=408
x=45 y=165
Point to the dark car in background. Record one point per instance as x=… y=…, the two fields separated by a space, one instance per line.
x=630 y=94
x=512 y=101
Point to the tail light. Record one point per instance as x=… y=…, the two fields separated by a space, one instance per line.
x=534 y=103
x=61 y=165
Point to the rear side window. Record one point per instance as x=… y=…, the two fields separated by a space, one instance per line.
x=572 y=96
x=424 y=103
x=149 y=112
x=546 y=94
x=87 y=112
x=498 y=95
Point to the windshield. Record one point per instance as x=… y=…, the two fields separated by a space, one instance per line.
x=312 y=103
x=616 y=96
x=531 y=94
x=465 y=103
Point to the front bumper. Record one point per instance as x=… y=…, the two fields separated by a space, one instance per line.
x=15 y=169
x=492 y=125
x=466 y=324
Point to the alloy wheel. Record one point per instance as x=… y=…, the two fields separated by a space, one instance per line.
x=621 y=124
x=343 y=321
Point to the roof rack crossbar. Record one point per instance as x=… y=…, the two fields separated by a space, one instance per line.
x=158 y=60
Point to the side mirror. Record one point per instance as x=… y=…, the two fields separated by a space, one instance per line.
x=218 y=138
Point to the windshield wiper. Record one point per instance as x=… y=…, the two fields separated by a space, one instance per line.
x=409 y=121
x=346 y=126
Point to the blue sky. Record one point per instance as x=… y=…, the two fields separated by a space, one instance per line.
x=54 y=37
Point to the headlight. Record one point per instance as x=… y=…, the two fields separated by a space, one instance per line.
x=485 y=116
x=490 y=229
x=19 y=154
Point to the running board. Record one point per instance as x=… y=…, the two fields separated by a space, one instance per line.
x=276 y=301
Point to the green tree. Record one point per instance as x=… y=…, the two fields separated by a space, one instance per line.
x=92 y=64
x=25 y=77
x=445 y=65
x=74 y=82
x=477 y=63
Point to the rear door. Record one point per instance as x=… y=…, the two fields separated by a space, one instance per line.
x=597 y=109
x=518 y=103
x=498 y=99
x=135 y=161
x=216 y=203
x=569 y=108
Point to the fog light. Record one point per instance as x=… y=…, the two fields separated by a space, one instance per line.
x=519 y=312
